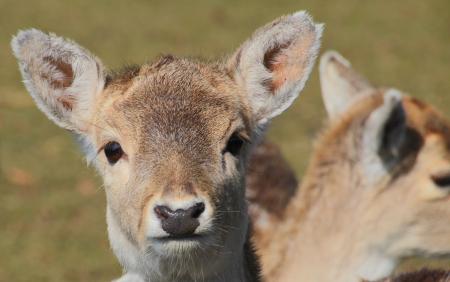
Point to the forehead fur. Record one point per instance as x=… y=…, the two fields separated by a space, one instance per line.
x=175 y=101
x=427 y=120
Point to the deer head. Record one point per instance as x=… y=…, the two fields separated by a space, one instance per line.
x=401 y=154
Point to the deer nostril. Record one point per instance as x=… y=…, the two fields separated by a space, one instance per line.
x=163 y=212
x=180 y=222
x=197 y=210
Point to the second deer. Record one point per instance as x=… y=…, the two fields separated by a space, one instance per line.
x=377 y=188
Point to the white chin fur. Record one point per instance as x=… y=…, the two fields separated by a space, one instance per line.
x=376 y=267
x=176 y=247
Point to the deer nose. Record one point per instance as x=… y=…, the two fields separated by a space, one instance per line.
x=181 y=222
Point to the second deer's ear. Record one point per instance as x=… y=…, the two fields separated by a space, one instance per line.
x=340 y=84
x=62 y=77
x=387 y=139
x=274 y=64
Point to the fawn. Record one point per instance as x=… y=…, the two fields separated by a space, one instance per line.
x=170 y=140
x=377 y=188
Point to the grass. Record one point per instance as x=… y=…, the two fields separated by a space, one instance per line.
x=52 y=209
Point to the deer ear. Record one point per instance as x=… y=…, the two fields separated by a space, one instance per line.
x=62 y=77
x=340 y=84
x=274 y=64
x=387 y=140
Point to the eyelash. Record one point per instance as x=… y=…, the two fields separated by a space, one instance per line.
x=442 y=180
x=234 y=144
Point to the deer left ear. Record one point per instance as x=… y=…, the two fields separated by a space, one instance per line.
x=63 y=78
x=274 y=64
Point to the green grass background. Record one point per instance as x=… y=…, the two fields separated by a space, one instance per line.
x=52 y=208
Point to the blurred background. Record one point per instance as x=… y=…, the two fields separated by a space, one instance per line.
x=52 y=207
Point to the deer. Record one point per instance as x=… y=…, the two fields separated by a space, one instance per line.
x=377 y=188
x=170 y=139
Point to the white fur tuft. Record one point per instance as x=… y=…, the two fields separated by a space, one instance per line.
x=376 y=266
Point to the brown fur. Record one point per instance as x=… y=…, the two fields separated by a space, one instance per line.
x=423 y=275
x=65 y=69
x=271 y=182
x=270 y=185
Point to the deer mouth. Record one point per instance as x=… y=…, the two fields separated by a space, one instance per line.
x=180 y=238
x=179 y=245
x=183 y=241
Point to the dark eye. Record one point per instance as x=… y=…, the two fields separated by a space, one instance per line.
x=442 y=180
x=234 y=145
x=113 y=152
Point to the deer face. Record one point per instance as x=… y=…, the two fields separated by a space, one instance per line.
x=178 y=136
x=170 y=138
x=396 y=153
x=420 y=183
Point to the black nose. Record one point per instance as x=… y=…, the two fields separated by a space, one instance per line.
x=181 y=222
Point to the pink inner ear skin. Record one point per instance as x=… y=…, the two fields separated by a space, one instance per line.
x=289 y=64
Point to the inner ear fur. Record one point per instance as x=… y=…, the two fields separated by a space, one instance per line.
x=274 y=64
x=390 y=144
x=399 y=143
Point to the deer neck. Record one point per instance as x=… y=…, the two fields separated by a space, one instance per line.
x=327 y=234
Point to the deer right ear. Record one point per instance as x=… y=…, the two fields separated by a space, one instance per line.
x=62 y=77
x=387 y=139
x=274 y=64
x=340 y=84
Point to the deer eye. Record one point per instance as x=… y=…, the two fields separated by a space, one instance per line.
x=234 y=145
x=113 y=152
x=442 y=180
